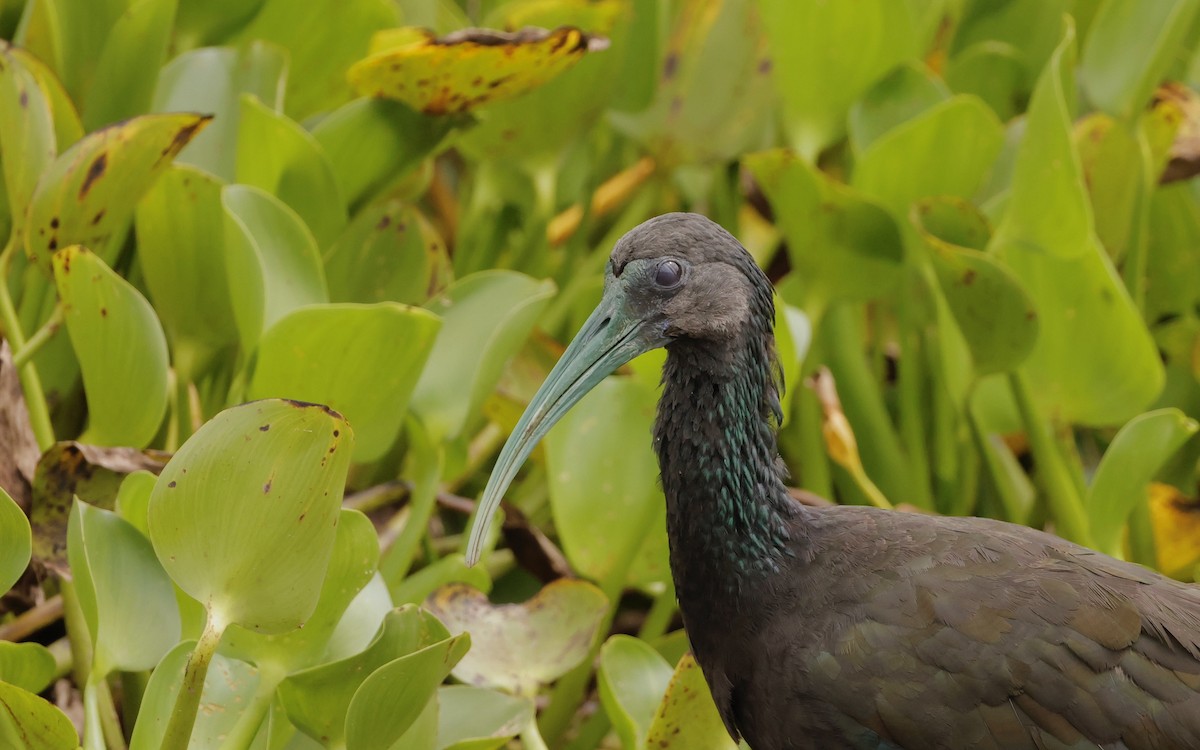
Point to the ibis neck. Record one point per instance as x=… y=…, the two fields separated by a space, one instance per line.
x=727 y=508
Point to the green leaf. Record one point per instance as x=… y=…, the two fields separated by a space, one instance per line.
x=1135 y=455
x=602 y=448
x=476 y=719
x=15 y=541
x=1046 y=238
x=1117 y=177
x=319 y=52
x=373 y=142
x=133 y=499
x=816 y=75
x=394 y=696
x=284 y=159
x=1048 y=209
x=361 y=620
x=996 y=317
x=362 y=360
x=905 y=93
x=126 y=597
x=127 y=69
x=88 y=194
x=228 y=687
x=486 y=317
x=67 y=127
x=351 y=565
x=414 y=588
x=567 y=107
x=632 y=679
x=181 y=239
x=389 y=252
x=26 y=665
x=521 y=647
x=945 y=151
x=715 y=62
x=687 y=717
x=271 y=260
x=243 y=516
x=1031 y=27
x=843 y=245
x=31 y=723
x=1171 y=270
x=994 y=72
x=213 y=80
x=1130 y=46
x=120 y=346
x=317 y=700
x=26 y=128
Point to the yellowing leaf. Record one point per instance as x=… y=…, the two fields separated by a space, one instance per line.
x=1176 y=521
x=463 y=70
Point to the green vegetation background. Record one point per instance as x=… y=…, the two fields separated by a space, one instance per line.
x=979 y=215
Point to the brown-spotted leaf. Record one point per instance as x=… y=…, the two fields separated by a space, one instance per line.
x=89 y=472
x=86 y=197
x=520 y=647
x=468 y=68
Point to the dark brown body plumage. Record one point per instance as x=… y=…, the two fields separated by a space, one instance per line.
x=907 y=631
x=853 y=627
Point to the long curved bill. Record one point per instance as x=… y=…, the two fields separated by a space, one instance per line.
x=610 y=338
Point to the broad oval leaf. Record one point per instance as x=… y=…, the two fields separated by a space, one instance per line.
x=902 y=95
x=394 y=696
x=121 y=349
x=271 y=259
x=229 y=686
x=632 y=679
x=126 y=597
x=486 y=317
x=284 y=159
x=26 y=128
x=181 y=241
x=27 y=665
x=1135 y=455
x=521 y=647
x=1130 y=46
x=601 y=451
x=996 y=317
x=318 y=51
x=30 y=722
x=372 y=142
x=243 y=516
x=351 y=565
x=390 y=252
x=317 y=700
x=993 y=71
x=817 y=78
x=1046 y=238
x=844 y=245
x=126 y=71
x=1048 y=210
x=88 y=194
x=948 y=150
x=468 y=68
x=16 y=541
x=687 y=718
x=362 y=360
x=213 y=79
x=472 y=718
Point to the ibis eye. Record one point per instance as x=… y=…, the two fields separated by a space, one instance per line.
x=669 y=273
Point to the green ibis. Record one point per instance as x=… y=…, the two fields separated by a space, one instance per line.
x=853 y=627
